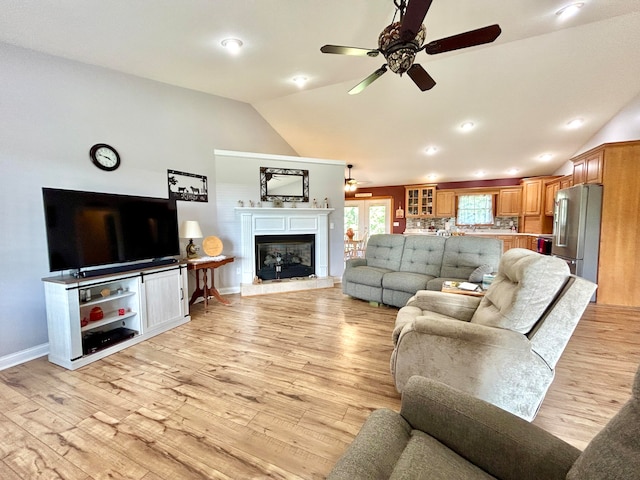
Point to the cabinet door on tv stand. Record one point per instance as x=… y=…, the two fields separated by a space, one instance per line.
x=163 y=298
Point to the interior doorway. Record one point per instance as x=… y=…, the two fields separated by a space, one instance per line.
x=368 y=217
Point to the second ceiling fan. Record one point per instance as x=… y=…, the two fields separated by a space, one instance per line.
x=402 y=40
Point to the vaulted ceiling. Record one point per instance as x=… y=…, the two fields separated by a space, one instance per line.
x=519 y=91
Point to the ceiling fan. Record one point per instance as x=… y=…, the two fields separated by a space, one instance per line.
x=402 y=40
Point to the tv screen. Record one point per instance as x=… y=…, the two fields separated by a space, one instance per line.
x=88 y=229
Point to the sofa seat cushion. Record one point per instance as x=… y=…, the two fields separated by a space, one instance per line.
x=405 y=281
x=366 y=275
x=441 y=462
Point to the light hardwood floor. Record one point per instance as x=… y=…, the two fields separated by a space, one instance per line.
x=274 y=386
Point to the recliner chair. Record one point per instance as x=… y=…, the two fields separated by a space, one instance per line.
x=442 y=433
x=502 y=348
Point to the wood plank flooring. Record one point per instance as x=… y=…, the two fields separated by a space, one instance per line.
x=274 y=386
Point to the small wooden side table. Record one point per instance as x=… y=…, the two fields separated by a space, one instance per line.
x=206 y=291
x=460 y=291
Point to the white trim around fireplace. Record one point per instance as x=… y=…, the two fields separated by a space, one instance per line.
x=283 y=221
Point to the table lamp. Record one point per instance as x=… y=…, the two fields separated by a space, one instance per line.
x=191 y=229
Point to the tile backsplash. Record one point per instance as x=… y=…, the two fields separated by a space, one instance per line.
x=500 y=223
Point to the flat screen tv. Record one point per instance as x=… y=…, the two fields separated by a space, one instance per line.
x=88 y=229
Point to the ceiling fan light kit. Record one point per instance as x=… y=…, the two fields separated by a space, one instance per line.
x=350 y=184
x=401 y=41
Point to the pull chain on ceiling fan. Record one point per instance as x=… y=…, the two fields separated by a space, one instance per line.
x=350 y=184
x=402 y=40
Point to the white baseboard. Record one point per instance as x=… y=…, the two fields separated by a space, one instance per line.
x=23 y=356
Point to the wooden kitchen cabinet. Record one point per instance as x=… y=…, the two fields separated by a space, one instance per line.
x=509 y=200
x=420 y=200
x=534 y=218
x=566 y=182
x=551 y=188
x=445 y=203
x=587 y=168
x=619 y=257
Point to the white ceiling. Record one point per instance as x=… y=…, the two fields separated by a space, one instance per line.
x=520 y=90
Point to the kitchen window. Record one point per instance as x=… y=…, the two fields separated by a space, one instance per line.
x=475 y=209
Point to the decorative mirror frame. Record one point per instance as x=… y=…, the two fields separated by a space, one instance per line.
x=265 y=175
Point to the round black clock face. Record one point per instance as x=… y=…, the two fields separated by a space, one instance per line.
x=104 y=157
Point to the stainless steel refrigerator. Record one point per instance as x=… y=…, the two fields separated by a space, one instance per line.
x=576 y=229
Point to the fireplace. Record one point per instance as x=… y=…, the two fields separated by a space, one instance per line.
x=284 y=256
x=284 y=225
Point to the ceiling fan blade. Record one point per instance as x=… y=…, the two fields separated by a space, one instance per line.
x=464 y=40
x=420 y=77
x=368 y=81
x=413 y=18
x=342 y=50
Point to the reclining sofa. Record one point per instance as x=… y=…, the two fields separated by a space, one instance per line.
x=395 y=267
x=443 y=433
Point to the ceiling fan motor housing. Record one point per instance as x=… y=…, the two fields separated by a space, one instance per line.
x=400 y=54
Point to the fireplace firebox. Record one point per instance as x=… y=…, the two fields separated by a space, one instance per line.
x=285 y=256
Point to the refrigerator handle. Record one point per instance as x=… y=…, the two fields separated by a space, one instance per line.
x=560 y=227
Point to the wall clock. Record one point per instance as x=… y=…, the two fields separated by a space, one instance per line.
x=104 y=157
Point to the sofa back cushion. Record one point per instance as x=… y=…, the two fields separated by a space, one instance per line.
x=463 y=254
x=525 y=285
x=423 y=254
x=614 y=453
x=385 y=251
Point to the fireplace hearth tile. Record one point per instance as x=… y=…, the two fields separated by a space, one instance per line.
x=285 y=285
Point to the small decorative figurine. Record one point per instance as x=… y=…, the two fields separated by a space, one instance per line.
x=326 y=203
x=240 y=203
x=315 y=203
x=251 y=203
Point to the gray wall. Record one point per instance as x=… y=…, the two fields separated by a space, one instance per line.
x=51 y=112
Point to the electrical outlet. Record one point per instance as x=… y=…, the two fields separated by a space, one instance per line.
x=396 y=224
x=497 y=223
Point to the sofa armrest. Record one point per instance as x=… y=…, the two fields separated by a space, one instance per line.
x=355 y=262
x=495 y=440
x=460 y=307
x=471 y=334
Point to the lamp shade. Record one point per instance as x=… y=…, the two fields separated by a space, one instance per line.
x=190 y=229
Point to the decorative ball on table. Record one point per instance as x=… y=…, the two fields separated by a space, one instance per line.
x=212 y=246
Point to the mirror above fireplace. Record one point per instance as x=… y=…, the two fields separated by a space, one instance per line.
x=285 y=184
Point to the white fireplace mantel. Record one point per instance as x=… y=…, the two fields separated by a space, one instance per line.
x=283 y=221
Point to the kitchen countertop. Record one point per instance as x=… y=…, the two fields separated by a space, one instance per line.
x=479 y=232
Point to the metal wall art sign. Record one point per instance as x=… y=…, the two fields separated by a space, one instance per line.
x=187 y=186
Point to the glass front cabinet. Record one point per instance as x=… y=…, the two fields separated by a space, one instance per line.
x=420 y=200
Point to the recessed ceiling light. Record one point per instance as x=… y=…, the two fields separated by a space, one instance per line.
x=430 y=150
x=232 y=45
x=512 y=171
x=480 y=173
x=575 y=123
x=432 y=176
x=300 y=80
x=466 y=126
x=545 y=157
x=569 y=10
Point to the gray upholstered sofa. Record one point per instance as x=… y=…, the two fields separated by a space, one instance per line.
x=502 y=348
x=443 y=433
x=395 y=267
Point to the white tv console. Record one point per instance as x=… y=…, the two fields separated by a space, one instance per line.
x=134 y=305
